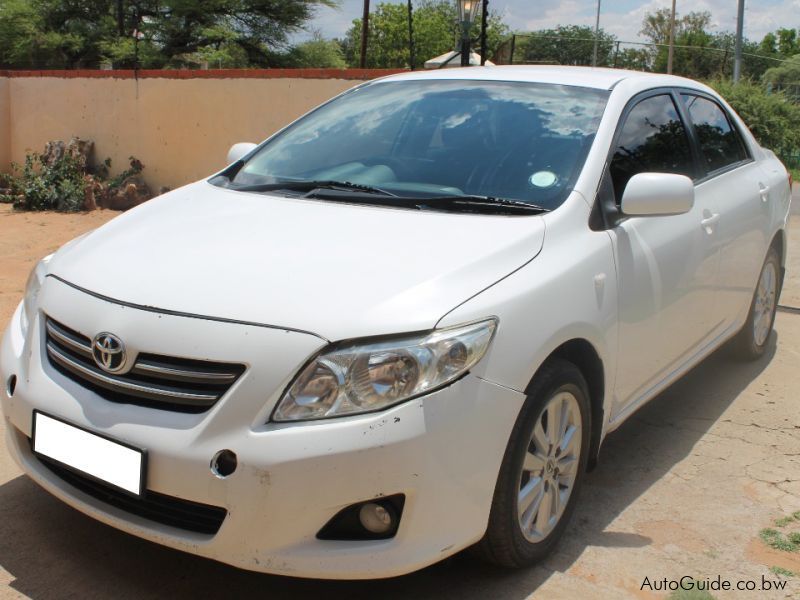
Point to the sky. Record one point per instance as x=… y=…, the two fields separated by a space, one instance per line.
x=623 y=18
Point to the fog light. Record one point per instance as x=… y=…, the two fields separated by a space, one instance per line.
x=375 y=518
x=11 y=385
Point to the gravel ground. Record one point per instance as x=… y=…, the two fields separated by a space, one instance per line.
x=683 y=488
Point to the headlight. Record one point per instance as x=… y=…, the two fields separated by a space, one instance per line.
x=365 y=377
x=29 y=302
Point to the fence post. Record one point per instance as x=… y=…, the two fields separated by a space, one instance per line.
x=484 y=21
x=411 y=60
x=5 y=125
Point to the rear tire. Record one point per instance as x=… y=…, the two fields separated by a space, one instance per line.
x=542 y=469
x=751 y=342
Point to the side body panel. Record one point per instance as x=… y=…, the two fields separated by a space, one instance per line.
x=742 y=235
x=568 y=292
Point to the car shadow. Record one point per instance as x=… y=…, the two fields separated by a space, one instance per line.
x=53 y=551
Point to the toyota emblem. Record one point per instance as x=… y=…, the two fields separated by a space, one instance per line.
x=109 y=352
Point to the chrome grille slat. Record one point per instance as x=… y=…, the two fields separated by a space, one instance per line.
x=155 y=381
x=145 y=367
x=68 y=339
x=97 y=377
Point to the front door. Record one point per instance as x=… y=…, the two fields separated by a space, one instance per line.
x=667 y=265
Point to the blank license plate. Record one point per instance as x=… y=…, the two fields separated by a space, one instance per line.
x=97 y=456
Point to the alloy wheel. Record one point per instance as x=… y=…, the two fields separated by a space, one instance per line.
x=764 y=303
x=549 y=467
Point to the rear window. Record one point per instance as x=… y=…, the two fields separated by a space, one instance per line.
x=720 y=143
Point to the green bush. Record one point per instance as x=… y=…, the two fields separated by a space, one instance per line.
x=61 y=182
x=57 y=186
x=772 y=117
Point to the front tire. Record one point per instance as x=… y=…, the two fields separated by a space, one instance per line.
x=751 y=342
x=542 y=469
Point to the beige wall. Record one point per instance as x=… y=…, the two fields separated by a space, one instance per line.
x=180 y=129
x=5 y=125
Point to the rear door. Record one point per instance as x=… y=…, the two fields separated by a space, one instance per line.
x=667 y=265
x=740 y=189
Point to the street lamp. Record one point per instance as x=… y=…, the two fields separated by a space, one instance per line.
x=467 y=9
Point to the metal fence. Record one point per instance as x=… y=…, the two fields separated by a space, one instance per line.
x=526 y=48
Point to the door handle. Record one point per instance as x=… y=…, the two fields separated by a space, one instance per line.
x=764 y=191
x=709 y=222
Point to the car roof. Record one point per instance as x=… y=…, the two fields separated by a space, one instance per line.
x=590 y=77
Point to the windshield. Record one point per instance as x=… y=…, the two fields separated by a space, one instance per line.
x=511 y=140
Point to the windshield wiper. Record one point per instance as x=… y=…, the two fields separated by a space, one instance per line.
x=464 y=204
x=345 y=191
x=311 y=185
x=482 y=204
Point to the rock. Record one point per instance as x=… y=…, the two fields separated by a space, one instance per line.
x=76 y=147
x=131 y=192
x=81 y=149
x=93 y=190
x=53 y=152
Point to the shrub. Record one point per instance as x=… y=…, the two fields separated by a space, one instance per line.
x=41 y=186
x=60 y=179
x=772 y=117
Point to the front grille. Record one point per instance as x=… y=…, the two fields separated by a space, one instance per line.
x=167 y=510
x=154 y=381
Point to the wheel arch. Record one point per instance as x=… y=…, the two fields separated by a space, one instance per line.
x=779 y=244
x=584 y=355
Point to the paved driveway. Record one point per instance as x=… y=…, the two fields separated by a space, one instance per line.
x=683 y=488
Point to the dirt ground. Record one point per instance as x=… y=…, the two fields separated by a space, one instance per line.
x=683 y=488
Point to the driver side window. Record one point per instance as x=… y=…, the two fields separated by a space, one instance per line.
x=653 y=140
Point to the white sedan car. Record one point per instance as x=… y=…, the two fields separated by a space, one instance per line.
x=403 y=325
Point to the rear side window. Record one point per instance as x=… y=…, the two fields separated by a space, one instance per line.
x=653 y=140
x=720 y=143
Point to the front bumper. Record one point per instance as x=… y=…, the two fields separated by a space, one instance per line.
x=442 y=451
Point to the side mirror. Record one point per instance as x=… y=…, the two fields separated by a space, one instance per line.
x=237 y=151
x=657 y=194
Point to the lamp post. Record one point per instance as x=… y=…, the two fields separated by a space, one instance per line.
x=737 y=60
x=364 y=35
x=467 y=9
x=671 y=51
x=596 y=35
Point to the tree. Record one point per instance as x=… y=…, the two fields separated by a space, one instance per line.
x=149 y=33
x=769 y=44
x=53 y=33
x=786 y=77
x=435 y=32
x=19 y=25
x=655 y=25
x=788 y=44
x=568 y=45
x=317 y=52
x=691 y=29
x=637 y=59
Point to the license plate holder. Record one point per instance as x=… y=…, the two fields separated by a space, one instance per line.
x=94 y=455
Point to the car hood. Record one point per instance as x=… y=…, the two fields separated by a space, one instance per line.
x=337 y=270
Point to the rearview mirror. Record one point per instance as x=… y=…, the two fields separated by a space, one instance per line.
x=657 y=194
x=239 y=150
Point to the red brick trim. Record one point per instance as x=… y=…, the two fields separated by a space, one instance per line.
x=210 y=74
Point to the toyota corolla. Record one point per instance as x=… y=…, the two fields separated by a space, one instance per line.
x=403 y=325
